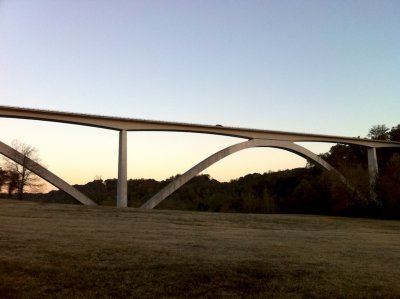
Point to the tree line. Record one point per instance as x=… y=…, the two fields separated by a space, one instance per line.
x=308 y=190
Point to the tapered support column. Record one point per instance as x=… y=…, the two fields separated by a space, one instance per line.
x=122 y=200
x=372 y=170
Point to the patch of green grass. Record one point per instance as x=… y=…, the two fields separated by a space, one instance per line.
x=68 y=251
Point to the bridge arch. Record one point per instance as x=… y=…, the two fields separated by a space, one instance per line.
x=50 y=177
x=195 y=170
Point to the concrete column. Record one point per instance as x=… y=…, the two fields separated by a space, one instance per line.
x=122 y=188
x=372 y=170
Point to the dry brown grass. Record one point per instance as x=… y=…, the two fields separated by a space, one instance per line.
x=67 y=251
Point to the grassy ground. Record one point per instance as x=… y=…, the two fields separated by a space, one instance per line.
x=68 y=251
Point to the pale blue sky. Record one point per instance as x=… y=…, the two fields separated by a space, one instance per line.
x=329 y=67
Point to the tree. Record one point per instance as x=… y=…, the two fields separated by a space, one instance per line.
x=379 y=132
x=12 y=182
x=95 y=190
x=342 y=155
x=389 y=188
x=3 y=178
x=395 y=133
x=20 y=177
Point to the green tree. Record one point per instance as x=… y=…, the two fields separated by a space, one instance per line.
x=389 y=188
x=342 y=155
x=96 y=190
x=394 y=133
x=379 y=132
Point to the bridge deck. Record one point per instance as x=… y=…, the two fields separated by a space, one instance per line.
x=131 y=124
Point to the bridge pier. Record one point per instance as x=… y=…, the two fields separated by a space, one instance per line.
x=372 y=170
x=122 y=188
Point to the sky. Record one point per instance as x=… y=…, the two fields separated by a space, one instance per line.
x=325 y=67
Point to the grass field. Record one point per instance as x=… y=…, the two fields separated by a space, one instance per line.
x=71 y=251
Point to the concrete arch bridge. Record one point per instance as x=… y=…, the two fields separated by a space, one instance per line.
x=255 y=138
